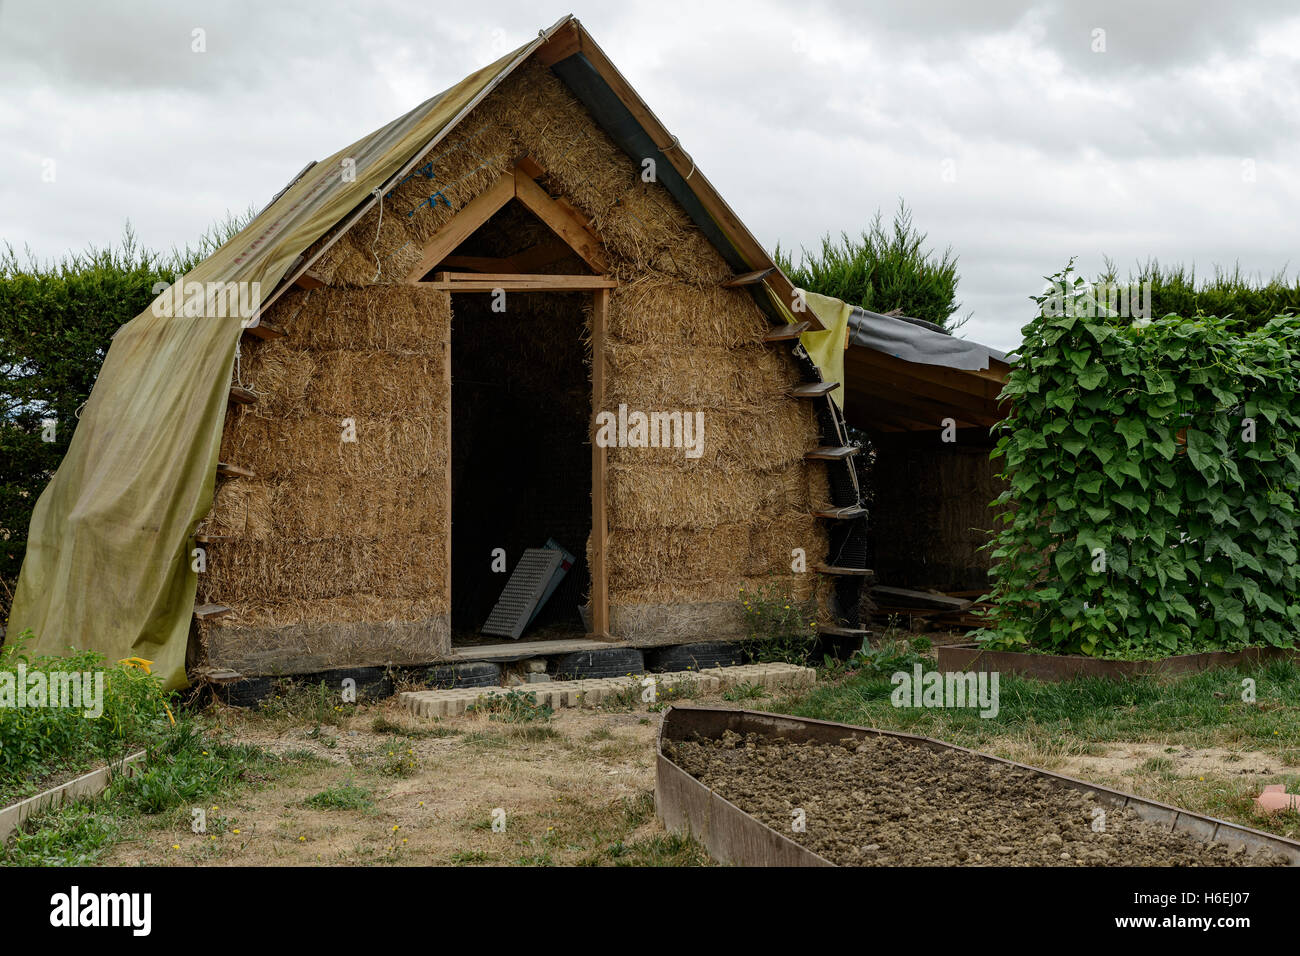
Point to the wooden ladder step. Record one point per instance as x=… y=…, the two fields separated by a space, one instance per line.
x=242 y=396
x=848 y=512
x=227 y=470
x=264 y=330
x=210 y=612
x=842 y=572
x=748 y=278
x=787 y=332
x=833 y=630
x=814 y=389
x=831 y=453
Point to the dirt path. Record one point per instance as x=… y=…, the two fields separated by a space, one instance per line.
x=575 y=789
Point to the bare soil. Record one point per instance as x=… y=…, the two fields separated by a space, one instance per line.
x=885 y=802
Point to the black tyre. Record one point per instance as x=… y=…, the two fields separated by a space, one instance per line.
x=694 y=657
x=249 y=692
x=611 y=662
x=372 y=683
x=468 y=674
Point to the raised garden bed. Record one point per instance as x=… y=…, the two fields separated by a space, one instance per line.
x=733 y=779
x=1052 y=667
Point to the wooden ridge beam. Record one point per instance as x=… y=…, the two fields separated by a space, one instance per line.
x=242 y=396
x=227 y=470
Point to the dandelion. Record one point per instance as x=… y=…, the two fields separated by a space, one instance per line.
x=302 y=839
x=395 y=828
x=176 y=846
x=235 y=831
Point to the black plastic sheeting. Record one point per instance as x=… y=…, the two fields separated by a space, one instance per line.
x=914 y=340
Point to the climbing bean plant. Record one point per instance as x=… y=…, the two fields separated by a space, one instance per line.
x=1153 y=483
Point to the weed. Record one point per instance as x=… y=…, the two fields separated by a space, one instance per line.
x=345 y=797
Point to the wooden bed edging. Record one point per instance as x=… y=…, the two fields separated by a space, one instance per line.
x=87 y=785
x=1054 y=667
x=732 y=836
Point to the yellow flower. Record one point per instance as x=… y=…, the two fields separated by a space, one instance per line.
x=234 y=831
x=302 y=839
x=395 y=827
x=176 y=846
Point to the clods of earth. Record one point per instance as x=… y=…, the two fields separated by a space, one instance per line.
x=887 y=802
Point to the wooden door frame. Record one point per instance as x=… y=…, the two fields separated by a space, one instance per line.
x=600 y=288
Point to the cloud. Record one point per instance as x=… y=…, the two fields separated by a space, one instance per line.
x=807 y=117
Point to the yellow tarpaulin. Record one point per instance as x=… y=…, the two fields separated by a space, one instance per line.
x=109 y=563
x=826 y=348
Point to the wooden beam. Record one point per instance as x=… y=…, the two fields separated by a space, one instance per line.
x=749 y=278
x=865 y=408
x=814 y=389
x=564 y=221
x=564 y=44
x=242 y=396
x=949 y=378
x=919 y=599
x=831 y=453
x=474 y=282
x=843 y=572
x=863 y=377
x=971 y=413
x=599 y=519
x=309 y=280
x=210 y=612
x=264 y=330
x=786 y=332
x=227 y=470
x=461 y=226
x=846 y=513
x=448 y=449
x=529 y=167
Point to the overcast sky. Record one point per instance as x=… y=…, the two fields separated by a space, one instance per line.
x=1016 y=139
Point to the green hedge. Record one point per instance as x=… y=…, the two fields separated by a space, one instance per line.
x=1141 y=519
x=56 y=320
x=886 y=269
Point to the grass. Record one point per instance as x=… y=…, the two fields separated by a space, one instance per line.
x=343 y=797
x=574 y=832
x=514 y=707
x=386 y=725
x=185 y=770
x=1198 y=710
x=42 y=746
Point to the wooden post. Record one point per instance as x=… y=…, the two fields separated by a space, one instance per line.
x=446 y=383
x=599 y=525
